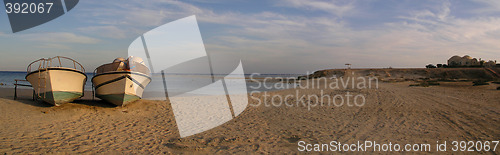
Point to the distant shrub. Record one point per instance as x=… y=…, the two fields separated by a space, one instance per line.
x=496 y=82
x=433 y=83
x=447 y=80
x=302 y=78
x=425 y=84
x=430 y=66
x=480 y=82
x=498 y=88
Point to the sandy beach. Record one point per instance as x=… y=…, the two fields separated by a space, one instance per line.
x=394 y=112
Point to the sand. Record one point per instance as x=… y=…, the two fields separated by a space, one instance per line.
x=394 y=112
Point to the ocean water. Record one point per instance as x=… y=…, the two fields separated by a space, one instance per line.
x=7 y=79
x=177 y=82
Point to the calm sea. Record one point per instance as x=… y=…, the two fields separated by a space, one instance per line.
x=7 y=81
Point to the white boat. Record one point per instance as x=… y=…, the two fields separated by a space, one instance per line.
x=122 y=81
x=54 y=83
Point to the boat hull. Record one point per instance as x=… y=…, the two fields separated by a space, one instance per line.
x=120 y=87
x=57 y=85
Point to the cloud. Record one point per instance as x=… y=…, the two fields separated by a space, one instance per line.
x=59 y=37
x=435 y=15
x=108 y=31
x=489 y=6
x=136 y=13
x=330 y=6
x=446 y=28
x=55 y=46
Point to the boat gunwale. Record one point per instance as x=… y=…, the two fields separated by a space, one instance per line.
x=121 y=72
x=55 y=68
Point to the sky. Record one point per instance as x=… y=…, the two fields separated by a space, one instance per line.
x=280 y=36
